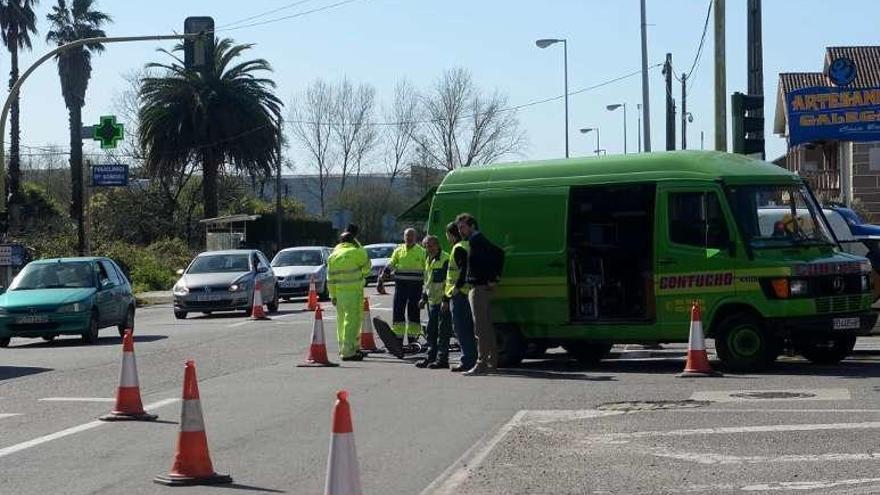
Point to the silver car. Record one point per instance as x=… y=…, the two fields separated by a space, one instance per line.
x=224 y=281
x=380 y=255
x=295 y=267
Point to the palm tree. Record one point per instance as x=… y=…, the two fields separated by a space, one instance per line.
x=224 y=114
x=70 y=23
x=17 y=23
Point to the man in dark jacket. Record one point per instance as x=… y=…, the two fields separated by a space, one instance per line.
x=485 y=264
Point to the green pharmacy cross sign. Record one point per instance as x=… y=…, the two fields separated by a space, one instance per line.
x=108 y=132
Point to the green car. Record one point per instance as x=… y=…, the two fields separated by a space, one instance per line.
x=66 y=296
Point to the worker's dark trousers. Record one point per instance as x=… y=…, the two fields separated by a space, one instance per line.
x=438 y=333
x=407 y=294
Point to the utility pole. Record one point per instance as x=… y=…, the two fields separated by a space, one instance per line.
x=646 y=101
x=720 y=79
x=670 y=105
x=684 y=125
x=278 y=211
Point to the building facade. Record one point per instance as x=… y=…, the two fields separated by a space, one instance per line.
x=831 y=120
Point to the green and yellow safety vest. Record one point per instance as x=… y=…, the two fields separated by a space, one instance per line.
x=347 y=268
x=408 y=263
x=453 y=270
x=435 y=277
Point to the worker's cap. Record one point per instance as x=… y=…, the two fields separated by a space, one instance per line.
x=352 y=229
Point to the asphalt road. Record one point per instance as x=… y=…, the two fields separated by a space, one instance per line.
x=546 y=427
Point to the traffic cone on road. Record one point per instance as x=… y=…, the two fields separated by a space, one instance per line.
x=192 y=462
x=313 y=295
x=318 y=348
x=128 y=395
x=697 y=360
x=257 y=311
x=343 y=473
x=367 y=338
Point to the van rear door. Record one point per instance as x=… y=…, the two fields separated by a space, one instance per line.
x=695 y=260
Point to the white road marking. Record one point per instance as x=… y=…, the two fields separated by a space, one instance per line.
x=78 y=399
x=12 y=449
x=450 y=479
x=731 y=395
x=710 y=458
x=727 y=430
x=773 y=486
x=764 y=411
x=8 y=415
x=239 y=324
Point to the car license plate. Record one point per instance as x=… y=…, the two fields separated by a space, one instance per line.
x=208 y=297
x=32 y=319
x=847 y=323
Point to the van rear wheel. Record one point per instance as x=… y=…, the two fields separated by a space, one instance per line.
x=829 y=350
x=511 y=345
x=743 y=344
x=587 y=353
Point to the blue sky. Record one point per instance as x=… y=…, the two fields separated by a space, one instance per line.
x=381 y=41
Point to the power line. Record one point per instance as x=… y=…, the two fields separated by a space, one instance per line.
x=50 y=150
x=284 y=18
x=264 y=14
x=702 y=42
x=508 y=109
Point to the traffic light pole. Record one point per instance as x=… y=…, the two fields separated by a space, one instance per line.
x=18 y=84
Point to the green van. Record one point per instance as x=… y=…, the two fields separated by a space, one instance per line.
x=616 y=249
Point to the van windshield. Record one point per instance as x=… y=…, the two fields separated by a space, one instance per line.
x=773 y=216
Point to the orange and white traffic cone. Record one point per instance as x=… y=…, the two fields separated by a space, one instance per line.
x=318 y=348
x=257 y=311
x=697 y=360
x=192 y=462
x=313 y=295
x=343 y=473
x=367 y=337
x=128 y=395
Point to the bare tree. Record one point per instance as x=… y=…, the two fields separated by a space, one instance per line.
x=400 y=133
x=466 y=127
x=311 y=120
x=352 y=125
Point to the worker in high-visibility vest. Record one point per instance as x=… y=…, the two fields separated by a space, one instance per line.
x=456 y=298
x=408 y=264
x=439 y=324
x=347 y=269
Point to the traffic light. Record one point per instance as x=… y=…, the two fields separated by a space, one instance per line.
x=748 y=130
x=198 y=52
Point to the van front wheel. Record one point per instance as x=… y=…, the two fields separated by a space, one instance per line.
x=743 y=344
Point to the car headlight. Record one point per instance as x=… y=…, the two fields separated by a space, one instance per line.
x=236 y=287
x=76 y=307
x=181 y=290
x=866 y=283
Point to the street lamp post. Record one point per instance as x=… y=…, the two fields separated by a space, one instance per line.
x=614 y=107
x=585 y=130
x=544 y=43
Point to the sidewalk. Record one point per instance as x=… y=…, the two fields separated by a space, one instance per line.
x=154 y=297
